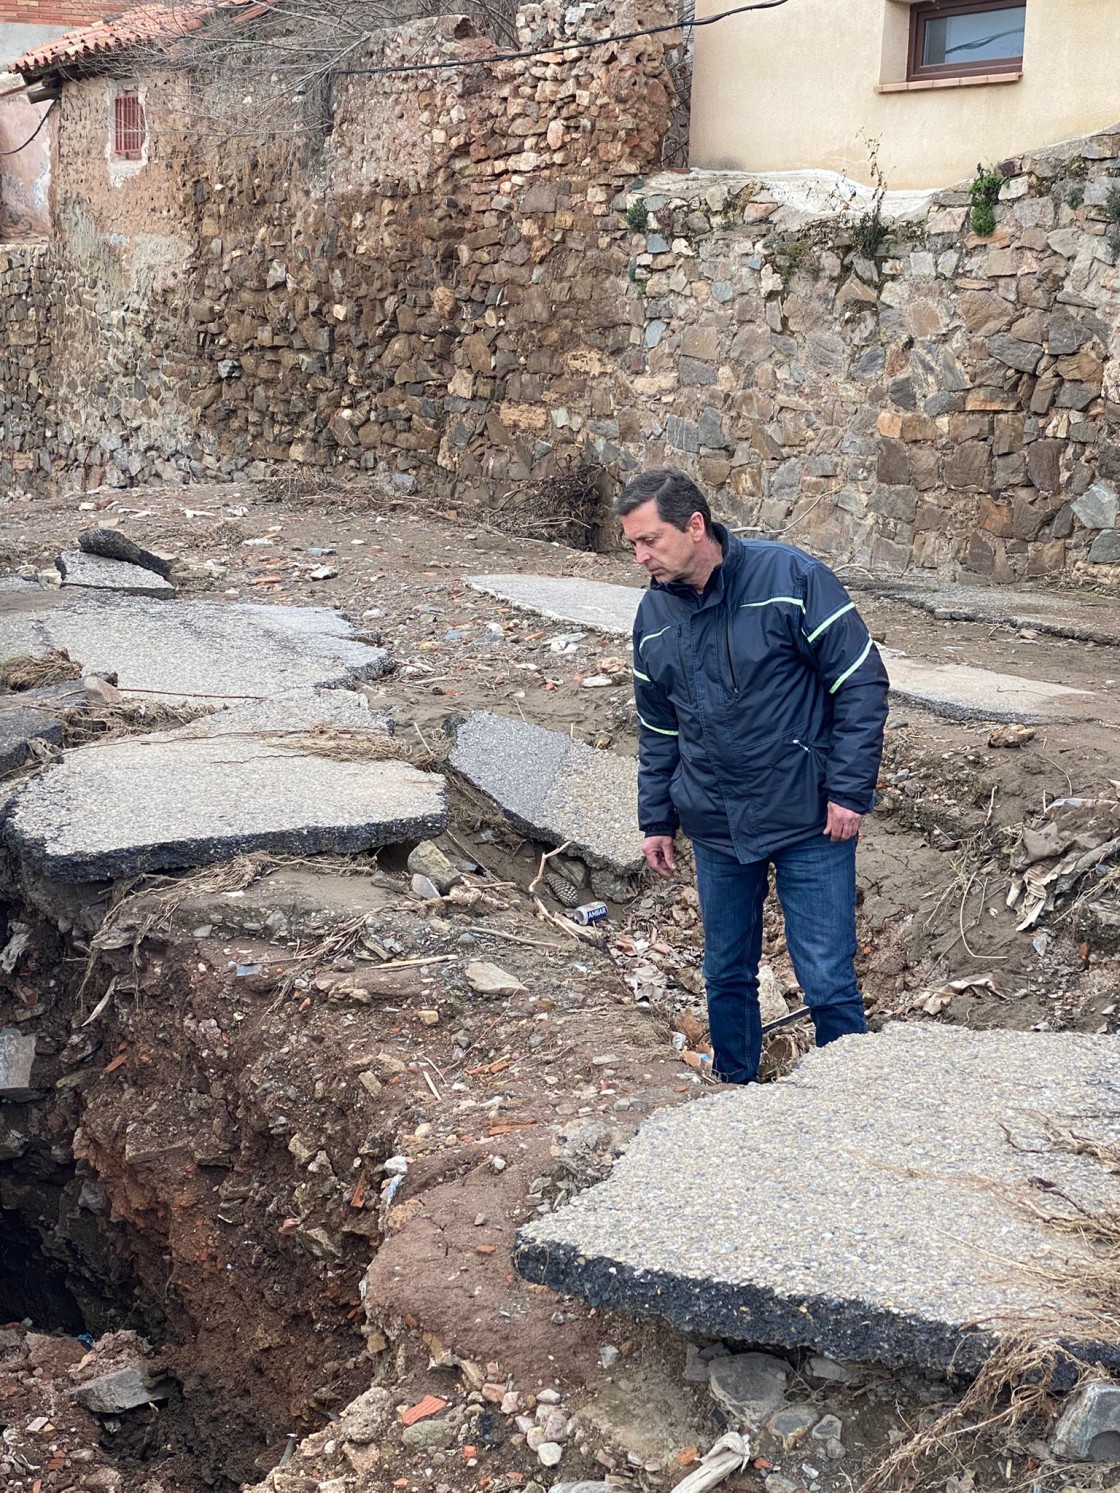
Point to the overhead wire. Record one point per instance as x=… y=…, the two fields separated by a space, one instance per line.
x=547 y=48
x=34 y=132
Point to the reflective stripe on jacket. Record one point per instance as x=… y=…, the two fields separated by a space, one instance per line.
x=758 y=702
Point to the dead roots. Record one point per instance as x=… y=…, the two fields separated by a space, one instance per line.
x=26 y=672
x=567 y=505
x=1012 y=1397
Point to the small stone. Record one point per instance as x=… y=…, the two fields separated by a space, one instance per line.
x=792 y=1424
x=366 y=1419
x=511 y=1402
x=776 y=1483
x=827 y=1427
x=549 y=1454
x=1013 y=734
x=100 y=691
x=819 y=1366
x=548 y=1397
x=429 y=1435
x=556 y=1426
x=425 y=888
x=1105 y=549
x=489 y=979
x=835 y=1450
x=609 y=1355
x=1098 y=506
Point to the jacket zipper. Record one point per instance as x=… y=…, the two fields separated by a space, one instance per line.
x=686 y=676
x=730 y=656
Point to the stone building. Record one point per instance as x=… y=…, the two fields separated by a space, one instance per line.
x=464 y=278
x=24 y=147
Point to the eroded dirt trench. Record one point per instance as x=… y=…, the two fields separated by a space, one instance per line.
x=265 y=1179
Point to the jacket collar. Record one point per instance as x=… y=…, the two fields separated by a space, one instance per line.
x=720 y=577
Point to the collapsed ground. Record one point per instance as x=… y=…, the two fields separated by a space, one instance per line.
x=227 y=1172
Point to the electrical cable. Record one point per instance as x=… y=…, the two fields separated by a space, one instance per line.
x=31 y=137
x=565 y=46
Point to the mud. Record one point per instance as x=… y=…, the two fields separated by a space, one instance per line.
x=205 y=1157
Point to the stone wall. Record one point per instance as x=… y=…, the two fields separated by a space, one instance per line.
x=474 y=277
x=951 y=402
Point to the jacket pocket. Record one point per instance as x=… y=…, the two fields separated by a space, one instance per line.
x=785 y=783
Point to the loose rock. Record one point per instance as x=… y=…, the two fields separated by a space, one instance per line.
x=749 y=1386
x=1089 y=1427
x=428 y=860
x=489 y=979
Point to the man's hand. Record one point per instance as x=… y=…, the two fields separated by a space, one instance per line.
x=658 y=851
x=843 y=824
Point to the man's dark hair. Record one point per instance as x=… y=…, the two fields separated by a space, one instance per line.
x=677 y=497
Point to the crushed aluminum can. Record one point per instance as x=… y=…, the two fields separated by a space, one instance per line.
x=589 y=912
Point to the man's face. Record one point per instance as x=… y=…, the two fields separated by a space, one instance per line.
x=667 y=553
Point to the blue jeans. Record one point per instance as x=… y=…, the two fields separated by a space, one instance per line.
x=816 y=881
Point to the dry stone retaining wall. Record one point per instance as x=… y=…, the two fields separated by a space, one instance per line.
x=475 y=276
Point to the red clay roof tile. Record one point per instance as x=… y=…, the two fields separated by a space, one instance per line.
x=143 y=24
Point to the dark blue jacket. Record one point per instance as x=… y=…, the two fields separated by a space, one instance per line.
x=758 y=702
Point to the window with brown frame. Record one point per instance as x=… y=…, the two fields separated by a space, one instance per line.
x=966 y=38
x=128 y=127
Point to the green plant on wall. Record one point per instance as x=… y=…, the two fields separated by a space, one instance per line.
x=637 y=216
x=790 y=254
x=984 y=193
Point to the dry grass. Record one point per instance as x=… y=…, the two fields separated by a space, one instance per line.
x=25 y=672
x=1013 y=1400
x=342 y=744
x=106 y=723
x=149 y=906
x=1010 y=1403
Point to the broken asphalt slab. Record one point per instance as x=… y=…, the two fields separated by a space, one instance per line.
x=34 y=715
x=193 y=650
x=883 y=1203
x=947 y=689
x=554 y=788
x=124 y=1389
x=965 y=694
x=96 y=573
x=594 y=604
x=218 y=788
x=111 y=544
x=1081 y=615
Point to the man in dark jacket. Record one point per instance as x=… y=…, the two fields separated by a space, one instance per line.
x=761 y=705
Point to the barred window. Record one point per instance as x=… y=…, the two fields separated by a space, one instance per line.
x=128 y=127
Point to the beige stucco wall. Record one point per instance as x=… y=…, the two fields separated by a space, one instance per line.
x=792 y=88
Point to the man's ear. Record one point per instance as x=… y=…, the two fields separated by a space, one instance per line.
x=696 y=527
